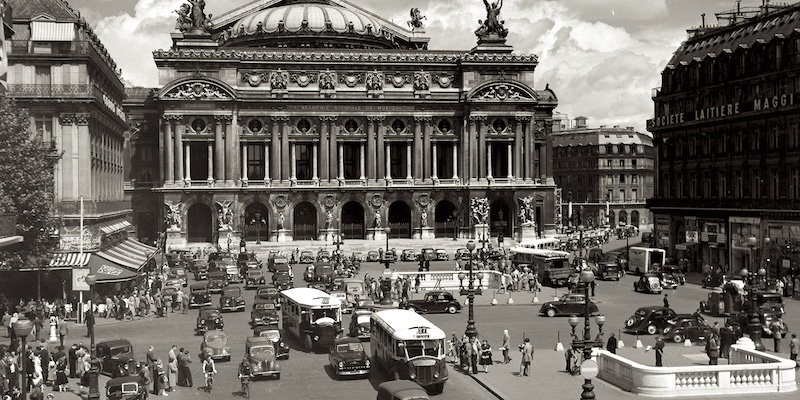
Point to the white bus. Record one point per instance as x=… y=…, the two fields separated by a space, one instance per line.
x=642 y=259
x=312 y=316
x=551 y=243
x=538 y=258
x=410 y=347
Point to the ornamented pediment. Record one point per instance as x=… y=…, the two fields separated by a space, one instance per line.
x=502 y=91
x=198 y=90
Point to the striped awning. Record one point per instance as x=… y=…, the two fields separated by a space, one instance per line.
x=68 y=260
x=129 y=253
x=114 y=226
x=52 y=31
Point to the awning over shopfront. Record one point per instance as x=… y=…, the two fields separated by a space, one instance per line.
x=129 y=254
x=108 y=271
x=114 y=226
x=68 y=260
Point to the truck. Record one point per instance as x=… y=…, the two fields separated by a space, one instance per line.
x=642 y=259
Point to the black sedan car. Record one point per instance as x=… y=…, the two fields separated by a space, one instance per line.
x=274 y=334
x=650 y=320
x=209 y=318
x=231 y=299
x=199 y=295
x=373 y=256
x=648 y=283
x=347 y=357
x=568 y=304
x=264 y=313
x=116 y=358
x=217 y=281
x=254 y=279
x=692 y=329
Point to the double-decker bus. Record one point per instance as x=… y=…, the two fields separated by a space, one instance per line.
x=410 y=347
x=312 y=316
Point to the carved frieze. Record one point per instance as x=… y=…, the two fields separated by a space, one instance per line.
x=398 y=80
x=351 y=79
x=327 y=80
x=502 y=92
x=422 y=81
x=198 y=91
x=254 y=78
x=444 y=80
x=303 y=78
x=374 y=80
x=278 y=80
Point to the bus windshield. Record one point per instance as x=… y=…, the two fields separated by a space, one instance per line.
x=325 y=312
x=417 y=348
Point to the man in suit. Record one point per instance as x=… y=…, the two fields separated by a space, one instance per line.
x=527 y=357
x=611 y=345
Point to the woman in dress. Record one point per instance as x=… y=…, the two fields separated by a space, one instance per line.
x=486 y=356
x=61 y=374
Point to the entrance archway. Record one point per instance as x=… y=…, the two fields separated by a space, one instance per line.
x=445 y=217
x=635 y=218
x=500 y=219
x=199 y=224
x=400 y=220
x=256 y=222
x=623 y=217
x=305 y=222
x=353 y=220
x=612 y=222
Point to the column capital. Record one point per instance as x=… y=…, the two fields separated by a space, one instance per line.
x=82 y=118
x=423 y=118
x=280 y=118
x=328 y=118
x=66 y=119
x=172 y=117
x=375 y=118
x=223 y=117
x=477 y=118
x=523 y=118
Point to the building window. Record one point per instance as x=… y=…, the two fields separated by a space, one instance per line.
x=609 y=164
x=609 y=180
x=706 y=185
x=622 y=195
x=774 y=184
x=352 y=160
x=303 y=152
x=722 y=188
x=609 y=148
x=634 y=195
x=794 y=136
x=622 y=163
x=755 y=191
x=693 y=187
x=635 y=179
x=601 y=150
x=634 y=163
x=679 y=186
x=397 y=161
x=755 y=139
x=42 y=75
x=795 y=189
x=304 y=126
x=255 y=161
x=44 y=127
x=622 y=178
x=738 y=185
x=255 y=125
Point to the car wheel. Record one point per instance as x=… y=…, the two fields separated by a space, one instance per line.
x=629 y=322
x=551 y=312
x=677 y=338
x=452 y=309
x=651 y=329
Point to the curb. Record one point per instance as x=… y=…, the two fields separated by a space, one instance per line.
x=489 y=387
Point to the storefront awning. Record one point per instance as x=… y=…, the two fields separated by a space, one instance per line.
x=68 y=260
x=114 y=226
x=107 y=271
x=129 y=253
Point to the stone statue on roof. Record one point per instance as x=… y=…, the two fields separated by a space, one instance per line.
x=192 y=17
x=416 y=18
x=492 y=27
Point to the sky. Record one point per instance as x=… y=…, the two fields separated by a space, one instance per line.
x=601 y=57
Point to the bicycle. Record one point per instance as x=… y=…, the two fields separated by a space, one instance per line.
x=209 y=381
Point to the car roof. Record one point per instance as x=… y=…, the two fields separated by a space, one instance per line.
x=346 y=339
x=198 y=285
x=398 y=386
x=258 y=340
x=215 y=332
x=438 y=292
x=653 y=308
x=115 y=343
x=124 y=379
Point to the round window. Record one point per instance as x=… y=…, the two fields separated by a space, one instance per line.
x=444 y=126
x=303 y=126
x=398 y=126
x=351 y=126
x=198 y=125
x=499 y=125
x=255 y=125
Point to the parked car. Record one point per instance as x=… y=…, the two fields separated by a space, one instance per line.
x=274 y=334
x=254 y=279
x=692 y=329
x=181 y=274
x=461 y=254
x=200 y=270
x=357 y=257
x=441 y=255
x=215 y=345
x=433 y=302
x=199 y=295
x=248 y=261
x=359 y=324
x=116 y=358
x=260 y=353
x=568 y=304
x=608 y=271
x=233 y=273
x=126 y=388
x=323 y=272
x=401 y=390
x=306 y=257
x=173 y=281
x=323 y=256
x=308 y=275
x=209 y=318
x=231 y=299
x=219 y=261
x=648 y=283
x=428 y=254
x=675 y=271
x=650 y=320
x=278 y=262
x=373 y=256
x=348 y=358
x=264 y=313
x=217 y=281
x=668 y=281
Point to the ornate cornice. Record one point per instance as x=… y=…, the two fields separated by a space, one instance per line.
x=523 y=118
x=477 y=118
x=373 y=56
x=280 y=118
x=223 y=117
x=328 y=118
x=82 y=118
x=375 y=118
x=423 y=118
x=173 y=117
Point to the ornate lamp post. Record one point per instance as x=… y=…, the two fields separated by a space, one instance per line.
x=753 y=318
x=586 y=344
x=387 y=231
x=338 y=242
x=471 y=332
x=22 y=328
x=581 y=229
x=91 y=280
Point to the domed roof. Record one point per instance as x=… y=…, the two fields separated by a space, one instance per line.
x=315 y=17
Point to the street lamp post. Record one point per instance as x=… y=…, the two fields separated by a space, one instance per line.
x=338 y=242
x=386 y=231
x=22 y=328
x=91 y=280
x=754 y=320
x=483 y=241
x=258 y=222
x=581 y=229
x=471 y=332
x=586 y=344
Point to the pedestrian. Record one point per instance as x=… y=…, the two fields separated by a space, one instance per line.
x=726 y=339
x=794 y=349
x=776 y=327
x=38 y=326
x=72 y=359
x=89 y=324
x=7 y=323
x=712 y=350
x=527 y=356
x=593 y=286
x=416 y=284
x=172 y=367
x=151 y=361
x=45 y=362
x=187 y=359
x=486 y=356
x=659 y=348
x=63 y=331
x=61 y=374
x=159 y=379
x=666 y=301
x=505 y=346
x=611 y=344
x=474 y=354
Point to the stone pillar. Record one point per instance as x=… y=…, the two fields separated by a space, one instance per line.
x=532 y=150
x=417 y=159
x=187 y=158
x=380 y=165
x=334 y=149
x=340 y=157
x=266 y=163
x=388 y=148
x=427 y=167
x=293 y=152
x=408 y=161
x=510 y=161
x=370 y=151
x=219 y=149
x=455 y=161
x=179 y=151
x=361 y=162
x=275 y=144
x=518 y=148
x=547 y=163
x=210 y=162
x=285 y=156
x=323 y=150
x=434 y=165
x=483 y=161
x=234 y=132
x=489 y=161
x=169 y=149
x=228 y=150
x=243 y=150
x=314 y=162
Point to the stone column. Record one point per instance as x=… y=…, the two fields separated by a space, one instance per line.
x=408 y=161
x=334 y=149
x=169 y=150
x=483 y=161
x=266 y=163
x=417 y=160
x=380 y=165
x=234 y=132
x=547 y=163
x=314 y=162
x=435 y=162
x=179 y=150
x=427 y=165
x=361 y=162
x=210 y=162
x=323 y=150
x=455 y=161
x=388 y=148
x=340 y=157
x=518 y=148
x=285 y=159
x=532 y=150
x=489 y=161
x=187 y=157
x=371 y=172
x=275 y=145
x=293 y=152
x=510 y=161
x=229 y=149
x=243 y=150
x=219 y=149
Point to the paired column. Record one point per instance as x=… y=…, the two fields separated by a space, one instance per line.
x=286 y=169
x=275 y=144
x=510 y=160
x=187 y=157
x=210 y=162
x=488 y=160
x=408 y=160
x=179 y=128
x=219 y=148
x=547 y=163
x=371 y=163
x=455 y=161
x=388 y=147
x=532 y=149
x=518 y=147
x=323 y=151
x=243 y=150
x=169 y=149
x=427 y=165
x=484 y=162
x=380 y=166
x=266 y=163
x=417 y=160
x=361 y=163
x=293 y=152
x=434 y=165
x=233 y=131
x=314 y=162
x=341 y=161
x=335 y=168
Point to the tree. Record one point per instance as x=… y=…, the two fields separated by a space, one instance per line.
x=26 y=187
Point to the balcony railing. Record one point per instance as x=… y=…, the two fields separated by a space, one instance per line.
x=50 y=90
x=755 y=204
x=8 y=225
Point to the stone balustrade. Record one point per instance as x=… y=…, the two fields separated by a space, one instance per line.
x=448 y=280
x=751 y=372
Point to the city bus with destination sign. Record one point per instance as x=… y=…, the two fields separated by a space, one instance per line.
x=312 y=316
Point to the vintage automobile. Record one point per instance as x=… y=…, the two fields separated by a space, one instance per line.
x=401 y=390
x=178 y=257
x=199 y=295
x=283 y=280
x=568 y=304
x=389 y=256
x=766 y=300
x=608 y=271
x=648 y=283
x=428 y=254
x=359 y=324
x=692 y=329
x=348 y=358
x=668 y=281
x=209 y=318
x=308 y=275
x=434 y=302
x=357 y=257
x=274 y=334
x=461 y=254
x=717 y=279
x=264 y=313
x=269 y=293
x=650 y=320
x=248 y=261
x=231 y=299
x=323 y=272
x=765 y=316
x=675 y=271
x=260 y=353
x=365 y=304
x=181 y=273
x=116 y=358
x=373 y=256
x=126 y=388
x=173 y=281
x=408 y=255
x=323 y=256
x=254 y=279
x=306 y=257
x=215 y=345
x=200 y=270
x=233 y=273
x=441 y=255
x=219 y=261
x=217 y=281
x=277 y=262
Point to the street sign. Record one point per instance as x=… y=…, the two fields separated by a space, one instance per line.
x=589 y=369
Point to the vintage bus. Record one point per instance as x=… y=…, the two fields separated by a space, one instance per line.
x=539 y=259
x=410 y=347
x=551 y=243
x=312 y=316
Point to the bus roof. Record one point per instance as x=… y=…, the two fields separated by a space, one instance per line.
x=311 y=297
x=540 y=240
x=406 y=324
x=636 y=248
x=541 y=252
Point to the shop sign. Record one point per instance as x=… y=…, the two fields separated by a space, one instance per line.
x=765 y=104
x=79 y=279
x=691 y=236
